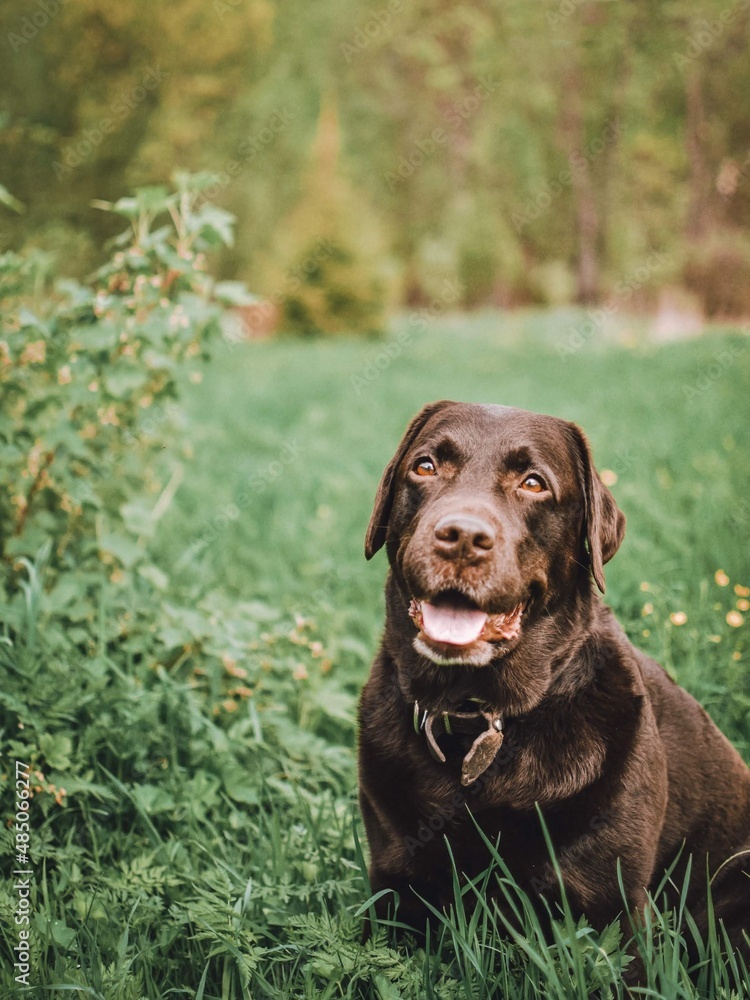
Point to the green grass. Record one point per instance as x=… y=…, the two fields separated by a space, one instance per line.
x=209 y=846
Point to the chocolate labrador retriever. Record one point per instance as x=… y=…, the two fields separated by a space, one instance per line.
x=503 y=685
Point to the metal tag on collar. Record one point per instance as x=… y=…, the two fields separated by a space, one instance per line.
x=483 y=750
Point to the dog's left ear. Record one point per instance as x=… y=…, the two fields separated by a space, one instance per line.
x=378 y=526
x=604 y=522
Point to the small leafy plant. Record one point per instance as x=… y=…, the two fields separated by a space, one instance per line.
x=91 y=377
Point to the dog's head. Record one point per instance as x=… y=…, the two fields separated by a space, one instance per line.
x=492 y=518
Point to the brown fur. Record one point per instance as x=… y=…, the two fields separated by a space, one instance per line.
x=623 y=763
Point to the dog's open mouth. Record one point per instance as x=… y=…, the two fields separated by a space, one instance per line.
x=453 y=620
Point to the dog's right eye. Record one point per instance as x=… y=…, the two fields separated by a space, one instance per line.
x=425 y=467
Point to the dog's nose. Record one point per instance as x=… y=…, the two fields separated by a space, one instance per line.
x=463 y=536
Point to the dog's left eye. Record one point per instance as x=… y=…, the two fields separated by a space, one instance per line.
x=425 y=467
x=534 y=484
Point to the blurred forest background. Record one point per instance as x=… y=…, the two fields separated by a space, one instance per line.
x=529 y=153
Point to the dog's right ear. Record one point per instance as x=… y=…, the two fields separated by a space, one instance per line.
x=378 y=526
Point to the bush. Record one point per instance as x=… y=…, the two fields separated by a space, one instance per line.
x=330 y=273
x=90 y=378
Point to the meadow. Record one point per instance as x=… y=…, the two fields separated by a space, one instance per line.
x=208 y=844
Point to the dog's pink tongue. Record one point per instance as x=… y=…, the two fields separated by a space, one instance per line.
x=457 y=626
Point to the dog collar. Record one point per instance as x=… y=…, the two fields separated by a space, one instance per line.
x=484 y=748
